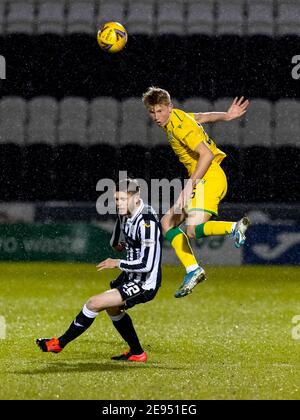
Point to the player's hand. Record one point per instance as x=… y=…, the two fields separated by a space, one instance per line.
x=108 y=263
x=120 y=247
x=237 y=108
x=183 y=199
x=179 y=204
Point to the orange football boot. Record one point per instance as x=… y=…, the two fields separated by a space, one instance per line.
x=128 y=356
x=49 y=345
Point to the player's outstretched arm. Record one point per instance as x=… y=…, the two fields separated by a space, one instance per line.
x=108 y=263
x=237 y=109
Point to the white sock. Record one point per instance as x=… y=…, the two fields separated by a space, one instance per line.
x=87 y=312
x=233 y=227
x=118 y=317
x=192 y=268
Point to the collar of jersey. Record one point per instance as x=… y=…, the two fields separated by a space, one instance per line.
x=138 y=211
x=170 y=124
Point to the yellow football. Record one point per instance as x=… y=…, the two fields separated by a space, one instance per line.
x=112 y=37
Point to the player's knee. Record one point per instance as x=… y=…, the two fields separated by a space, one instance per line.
x=94 y=304
x=114 y=311
x=191 y=232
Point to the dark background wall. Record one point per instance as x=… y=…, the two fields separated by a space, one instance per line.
x=213 y=67
x=256 y=66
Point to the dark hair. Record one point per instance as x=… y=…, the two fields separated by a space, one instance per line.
x=128 y=185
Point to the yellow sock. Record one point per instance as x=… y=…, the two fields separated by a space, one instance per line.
x=214 y=229
x=181 y=244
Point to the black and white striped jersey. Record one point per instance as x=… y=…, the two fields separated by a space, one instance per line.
x=143 y=241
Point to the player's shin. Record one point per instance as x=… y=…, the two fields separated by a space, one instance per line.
x=123 y=324
x=182 y=247
x=81 y=323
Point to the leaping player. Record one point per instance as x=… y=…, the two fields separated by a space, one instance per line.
x=207 y=183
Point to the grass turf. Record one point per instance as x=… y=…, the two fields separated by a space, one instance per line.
x=230 y=339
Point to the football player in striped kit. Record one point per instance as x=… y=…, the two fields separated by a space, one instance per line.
x=138 y=282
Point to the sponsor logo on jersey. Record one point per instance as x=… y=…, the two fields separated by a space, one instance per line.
x=148 y=242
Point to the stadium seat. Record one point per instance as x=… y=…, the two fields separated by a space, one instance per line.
x=134 y=158
x=2 y=17
x=51 y=17
x=230 y=17
x=284 y=173
x=140 y=17
x=104 y=118
x=11 y=172
x=232 y=165
x=134 y=123
x=39 y=175
x=257 y=124
x=80 y=18
x=42 y=121
x=165 y=164
x=12 y=120
x=111 y=10
x=157 y=136
x=20 y=18
x=12 y=139
x=200 y=17
x=70 y=165
x=226 y=132
x=72 y=127
x=198 y=104
x=255 y=176
x=70 y=160
x=288 y=17
x=102 y=162
x=134 y=142
x=170 y=19
x=287 y=126
x=260 y=17
x=40 y=152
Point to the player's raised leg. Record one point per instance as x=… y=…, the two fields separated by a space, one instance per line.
x=189 y=282
x=180 y=242
x=221 y=228
x=205 y=203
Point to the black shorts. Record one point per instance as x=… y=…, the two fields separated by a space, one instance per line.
x=131 y=292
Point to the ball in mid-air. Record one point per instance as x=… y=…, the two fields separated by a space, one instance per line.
x=112 y=37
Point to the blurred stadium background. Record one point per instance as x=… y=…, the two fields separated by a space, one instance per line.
x=71 y=115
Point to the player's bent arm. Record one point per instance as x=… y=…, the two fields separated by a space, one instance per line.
x=205 y=159
x=204 y=162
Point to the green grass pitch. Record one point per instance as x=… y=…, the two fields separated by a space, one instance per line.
x=230 y=339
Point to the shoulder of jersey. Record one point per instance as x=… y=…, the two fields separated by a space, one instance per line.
x=182 y=118
x=149 y=215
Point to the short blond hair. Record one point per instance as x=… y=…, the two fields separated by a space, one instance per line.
x=156 y=96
